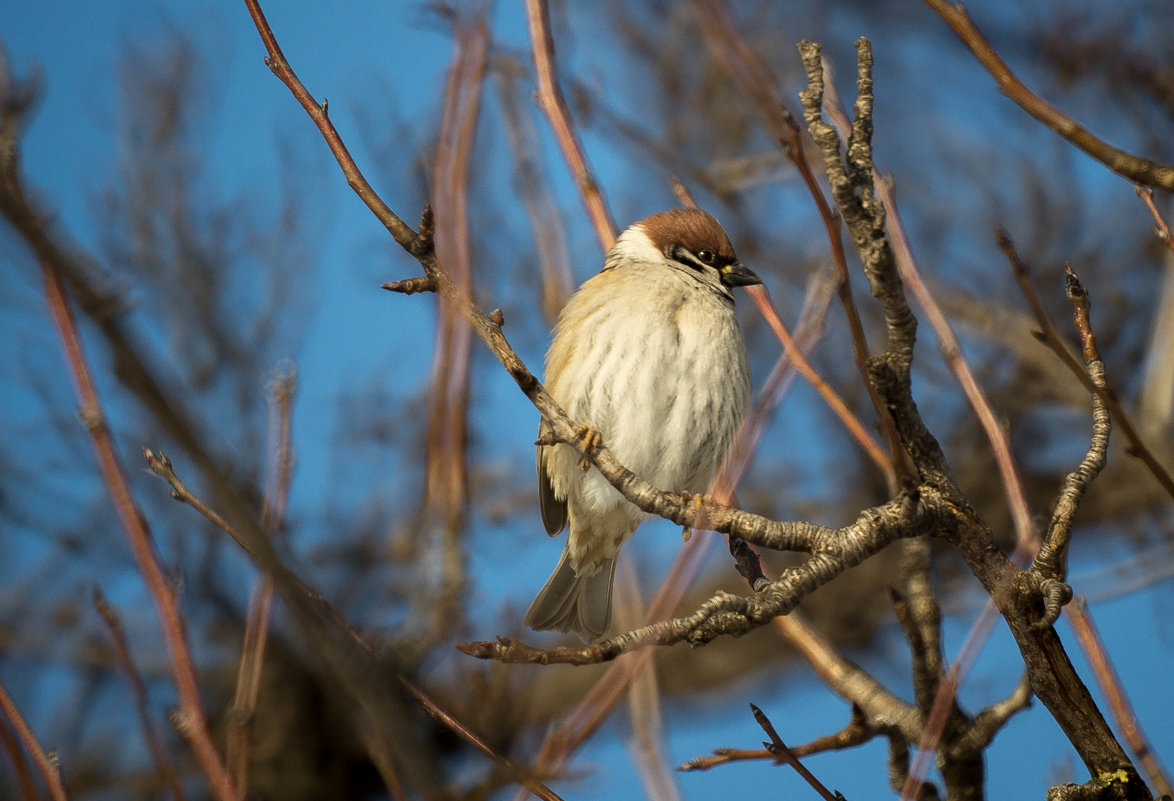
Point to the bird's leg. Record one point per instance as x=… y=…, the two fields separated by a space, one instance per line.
x=591 y=440
x=698 y=502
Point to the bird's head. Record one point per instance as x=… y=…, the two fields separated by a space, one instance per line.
x=689 y=240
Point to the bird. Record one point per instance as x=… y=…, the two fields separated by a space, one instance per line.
x=649 y=357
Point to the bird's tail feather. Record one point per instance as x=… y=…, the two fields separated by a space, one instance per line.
x=570 y=602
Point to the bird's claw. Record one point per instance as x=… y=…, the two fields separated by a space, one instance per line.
x=590 y=439
x=698 y=502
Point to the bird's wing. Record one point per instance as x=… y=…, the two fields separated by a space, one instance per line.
x=554 y=511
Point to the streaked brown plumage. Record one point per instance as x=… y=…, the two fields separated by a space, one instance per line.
x=649 y=354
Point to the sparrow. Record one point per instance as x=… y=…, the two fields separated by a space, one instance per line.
x=647 y=354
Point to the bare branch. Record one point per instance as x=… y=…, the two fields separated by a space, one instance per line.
x=1018 y=595
x=991 y=720
x=551 y=99
x=882 y=707
x=192 y=723
x=1051 y=337
x=783 y=754
x=139 y=693
x=1161 y=227
x=46 y=763
x=1052 y=559
x=858 y=731
x=1026 y=535
x=1135 y=168
x=1102 y=666
x=468 y=735
x=248 y=681
x=743 y=64
x=726 y=614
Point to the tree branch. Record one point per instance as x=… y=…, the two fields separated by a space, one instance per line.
x=1135 y=168
x=192 y=723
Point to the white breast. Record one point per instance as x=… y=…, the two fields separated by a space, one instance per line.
x=654 y=361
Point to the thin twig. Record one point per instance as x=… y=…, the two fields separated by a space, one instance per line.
x=644 y=699
x=731 y=50
x=1102 y=667
x=240 y=718
x=546 y=226
x=190 y=717
x=1051 y=562
x=1051 y=337
x=253 y=541
x=1026 y=535
x=1133 y=167
x=1161 y=227
x=858 y=731
x=248 y=680
x=139 y=694
x=783 y=754
x=468 y=735
x=550 y=97
x=444 y=505
x=400 y=231
x=761 y=297
x=990 y=721
x=45 y=763
x=20 y=766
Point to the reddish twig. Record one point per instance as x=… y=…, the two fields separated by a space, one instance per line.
x=283 y=388
x=944 y=701
x=644 y=698
x=1133 y=167
x=546 y=227
x=1102 y=667
x=46 y=764
x=744 y=65
x=190 y=718
x=531 y=784
x=248 y=678
x=554 y=106
x=239 y=722
x=24 y=776
x=444 y=505
x=684 y=196
x=1161 y=227
x=275 y=61
x=139 y=693
x=1026 y=536
x=761 y=297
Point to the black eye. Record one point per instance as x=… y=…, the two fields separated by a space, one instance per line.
x=705 y=256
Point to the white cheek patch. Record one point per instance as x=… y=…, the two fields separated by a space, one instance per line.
x=632 y=246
